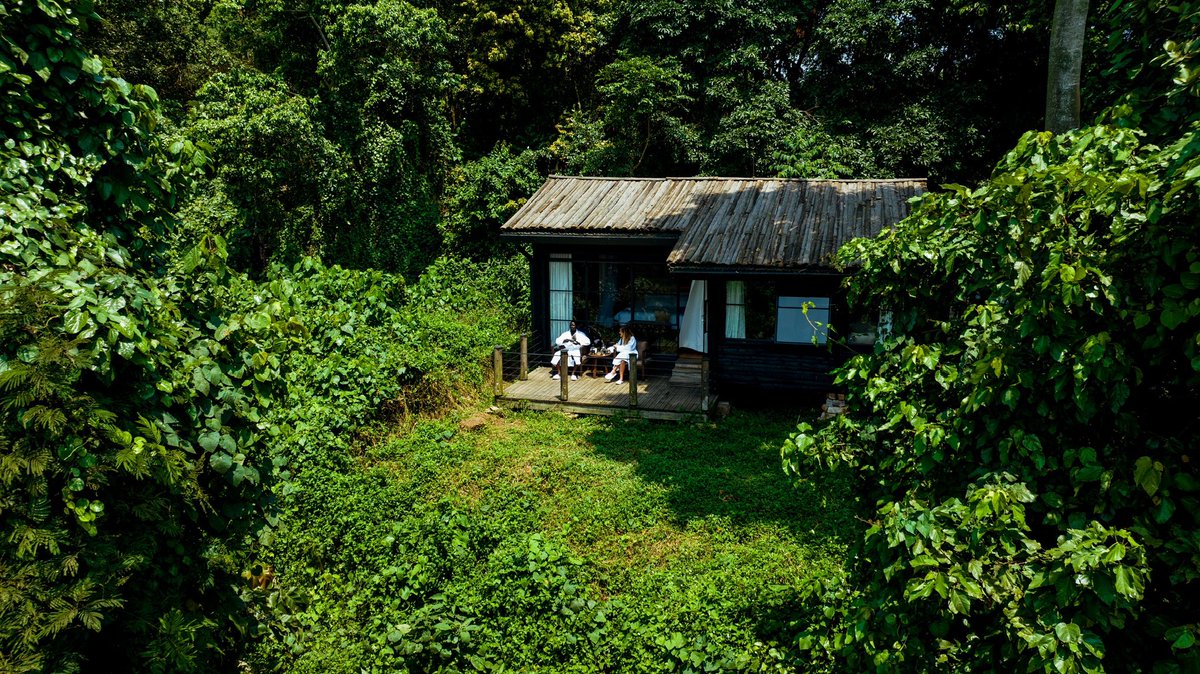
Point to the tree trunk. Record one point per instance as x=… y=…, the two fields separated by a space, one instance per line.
x=1066 y=60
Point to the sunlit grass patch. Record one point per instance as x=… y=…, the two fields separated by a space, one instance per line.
x=600 y=544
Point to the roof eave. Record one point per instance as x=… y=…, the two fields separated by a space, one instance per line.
x=598 y=237
x=734 y=270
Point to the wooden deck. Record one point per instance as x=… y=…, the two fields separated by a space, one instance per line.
x=657 y=398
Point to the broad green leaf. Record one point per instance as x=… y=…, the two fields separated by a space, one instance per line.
x=221 y=462
x=1068 y=633
x=1147 y=473
x=209 y=440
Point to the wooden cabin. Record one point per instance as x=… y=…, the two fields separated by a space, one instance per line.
x=737 y=271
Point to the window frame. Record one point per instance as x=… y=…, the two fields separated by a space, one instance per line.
x=808 y=307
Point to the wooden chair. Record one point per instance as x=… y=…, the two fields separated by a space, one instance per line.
x=643 y=358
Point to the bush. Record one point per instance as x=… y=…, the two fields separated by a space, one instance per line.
x=1025 y=433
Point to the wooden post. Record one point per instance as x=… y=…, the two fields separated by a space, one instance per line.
x=498 y=370
x=633 y=379
x=704 y=384
x=563 y=369
x=524 y=372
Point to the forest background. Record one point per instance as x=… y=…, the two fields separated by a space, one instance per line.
x=239 y=235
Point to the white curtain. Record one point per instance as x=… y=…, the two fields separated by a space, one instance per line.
x=561 y=296
x=692 y=334
x=735 y=310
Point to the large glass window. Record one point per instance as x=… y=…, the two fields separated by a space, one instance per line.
x=757 y=311
x=760 y=310
x=607 y=293
x=802 y=320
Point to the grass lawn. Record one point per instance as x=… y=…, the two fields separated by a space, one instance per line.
x=575 y=544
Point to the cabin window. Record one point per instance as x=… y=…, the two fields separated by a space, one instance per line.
x=561 y=293
x=757 y=311
x=735 y=310
x=609 y=293
x=760 y=310
x=802 y=320
x=868 y=326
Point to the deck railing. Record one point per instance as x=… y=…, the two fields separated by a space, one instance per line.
x=504 y=362
x=677 y=396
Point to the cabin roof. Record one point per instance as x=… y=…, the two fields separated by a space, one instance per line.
x=721 y=223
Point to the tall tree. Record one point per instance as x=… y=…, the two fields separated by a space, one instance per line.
x=1066 y=61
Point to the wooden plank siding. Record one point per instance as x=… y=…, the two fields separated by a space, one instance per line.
x=774 y=367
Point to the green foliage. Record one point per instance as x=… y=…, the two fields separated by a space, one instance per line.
x=481 y=195
x=544 y=543
x=641 y=116
x=927 y=89
x=167 y=46
x=907 y=87
x=385 y=82
x=1027 y=429
x=114 y=398
x=738 y=64
x=809 y=151
x=273 y=164
x=366 y=345
x=749 y=134
x=520 y=64
x=351 y=174
x=1149 y=69
x=281 y=39
x=155 y=406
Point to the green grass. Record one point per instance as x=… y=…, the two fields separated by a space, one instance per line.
x=632 y=494
x=556 y=544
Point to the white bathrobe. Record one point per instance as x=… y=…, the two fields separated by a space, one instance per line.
x=574 y=343
x=624 y=349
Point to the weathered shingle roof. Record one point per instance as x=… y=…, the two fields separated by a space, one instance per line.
x=723 y=223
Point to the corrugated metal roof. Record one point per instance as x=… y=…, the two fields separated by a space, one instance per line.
x=762 y=223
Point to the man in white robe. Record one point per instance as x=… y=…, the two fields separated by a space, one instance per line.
x=572 y=342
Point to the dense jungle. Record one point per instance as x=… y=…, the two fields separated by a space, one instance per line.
x=250 y=276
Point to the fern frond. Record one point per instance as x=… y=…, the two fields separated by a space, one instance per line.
x=39 y=509
x=44 y=418
x=91 y=620
x=30 y=540
x=149 y=429
x=15 y=376
x=20 y=664
x=59 y=621
x=134 y=462
x=18 y=400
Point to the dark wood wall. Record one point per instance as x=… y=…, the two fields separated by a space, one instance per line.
x=745 y=364
x=539 y=296
x=752 y=365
